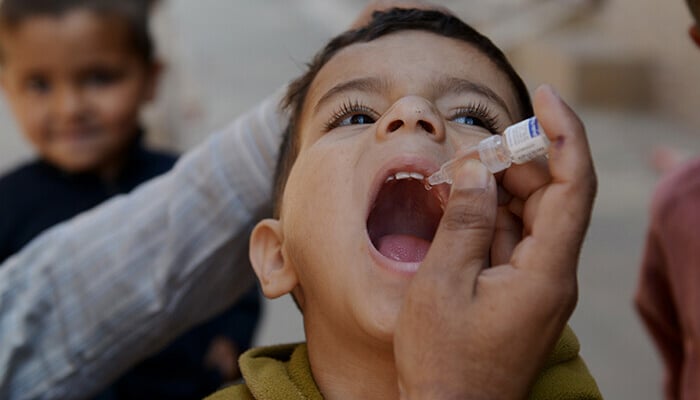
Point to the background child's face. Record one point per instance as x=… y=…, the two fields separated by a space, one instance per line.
x=353 y=230
x=75 y=85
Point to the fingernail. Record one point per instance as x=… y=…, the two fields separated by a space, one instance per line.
x=472 y=175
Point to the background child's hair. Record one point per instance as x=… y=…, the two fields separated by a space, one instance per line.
x=694 y=6
x=383 y=23
x=133 y=12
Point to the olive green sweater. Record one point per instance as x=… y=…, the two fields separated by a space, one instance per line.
x=283 y=373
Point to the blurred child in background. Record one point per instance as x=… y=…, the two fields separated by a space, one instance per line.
x=667 y=297
x=76 y=75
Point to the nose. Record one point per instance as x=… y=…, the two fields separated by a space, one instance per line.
x=412 y=114
x=68 y=104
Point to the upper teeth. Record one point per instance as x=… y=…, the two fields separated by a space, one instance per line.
x=405 y=175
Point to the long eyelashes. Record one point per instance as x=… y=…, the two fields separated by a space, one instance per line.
x=353 y=112
x=347 y=109
x=480 y=114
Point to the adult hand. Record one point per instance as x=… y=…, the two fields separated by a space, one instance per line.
x=365 y=15
x=466 y=331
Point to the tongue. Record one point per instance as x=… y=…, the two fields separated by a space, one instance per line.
x=403 y=248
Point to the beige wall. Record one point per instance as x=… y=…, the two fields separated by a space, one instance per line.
x=629 y=54
x=659 y=29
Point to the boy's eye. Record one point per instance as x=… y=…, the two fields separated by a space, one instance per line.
x=468 y=120
x=476 y=115
x=356 y=119
x=351 y=113
x=38 y=84
x=100 y=77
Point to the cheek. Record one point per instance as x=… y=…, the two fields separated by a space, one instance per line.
x=32 y=116
x=311 y=198
x=317 y=200
x=319 y=181
x=119 y=106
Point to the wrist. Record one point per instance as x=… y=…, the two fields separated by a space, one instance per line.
x=449 y=391
x=446 y=394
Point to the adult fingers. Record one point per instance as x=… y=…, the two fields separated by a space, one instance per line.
x=462 y=241
x=563 y=213
x=523 y=180
x=506 y=236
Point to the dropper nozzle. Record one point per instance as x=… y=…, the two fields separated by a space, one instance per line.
x=447 y=170
x=519 y=143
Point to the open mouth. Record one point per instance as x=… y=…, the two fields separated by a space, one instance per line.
x=404 y=218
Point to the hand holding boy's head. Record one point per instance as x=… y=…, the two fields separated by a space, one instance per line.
x=76 y=75
x=379 y=108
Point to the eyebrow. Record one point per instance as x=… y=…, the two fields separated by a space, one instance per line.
x=450 y=84
x=368 y=85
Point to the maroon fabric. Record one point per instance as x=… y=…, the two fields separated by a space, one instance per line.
x=668 y=296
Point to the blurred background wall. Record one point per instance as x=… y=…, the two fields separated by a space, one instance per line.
x=627 y=66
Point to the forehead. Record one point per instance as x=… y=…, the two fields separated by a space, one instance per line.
x=71 y=37
x=413 y=63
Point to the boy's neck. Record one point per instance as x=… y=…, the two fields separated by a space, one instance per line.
x=110 y=171
x=348 y=368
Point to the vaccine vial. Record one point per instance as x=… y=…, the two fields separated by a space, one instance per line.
x=518 y=144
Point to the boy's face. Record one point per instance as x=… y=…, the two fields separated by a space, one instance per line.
x=352 y=228
x=76 y=85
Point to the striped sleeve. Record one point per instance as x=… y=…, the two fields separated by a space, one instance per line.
x=92 y=296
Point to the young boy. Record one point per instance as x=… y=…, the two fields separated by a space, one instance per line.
x=380 y=109
x=76 y=74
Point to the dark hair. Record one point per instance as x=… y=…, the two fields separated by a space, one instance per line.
x=694 y=6
x=383 y=23
x=134 y=12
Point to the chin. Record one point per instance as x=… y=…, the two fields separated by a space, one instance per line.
x=75 y=164
x=383 y=327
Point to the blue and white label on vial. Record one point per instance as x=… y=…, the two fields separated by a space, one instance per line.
x=534 y=127
x=526 y=140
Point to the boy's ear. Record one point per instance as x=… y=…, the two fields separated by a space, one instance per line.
x=695 y=34
x=277 y=277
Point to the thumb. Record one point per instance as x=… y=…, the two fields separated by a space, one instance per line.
x=463 y=239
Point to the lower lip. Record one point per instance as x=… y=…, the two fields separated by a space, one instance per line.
x=78 y=134
x=79 y=137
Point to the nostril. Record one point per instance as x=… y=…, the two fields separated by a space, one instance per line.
x=427 y=126
x=394 y=125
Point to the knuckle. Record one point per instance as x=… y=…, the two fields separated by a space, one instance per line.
x=565 y=292
x=577 y=124
x=468 y=216
x=557 y=300
x=588 y=180
x=592 y=185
